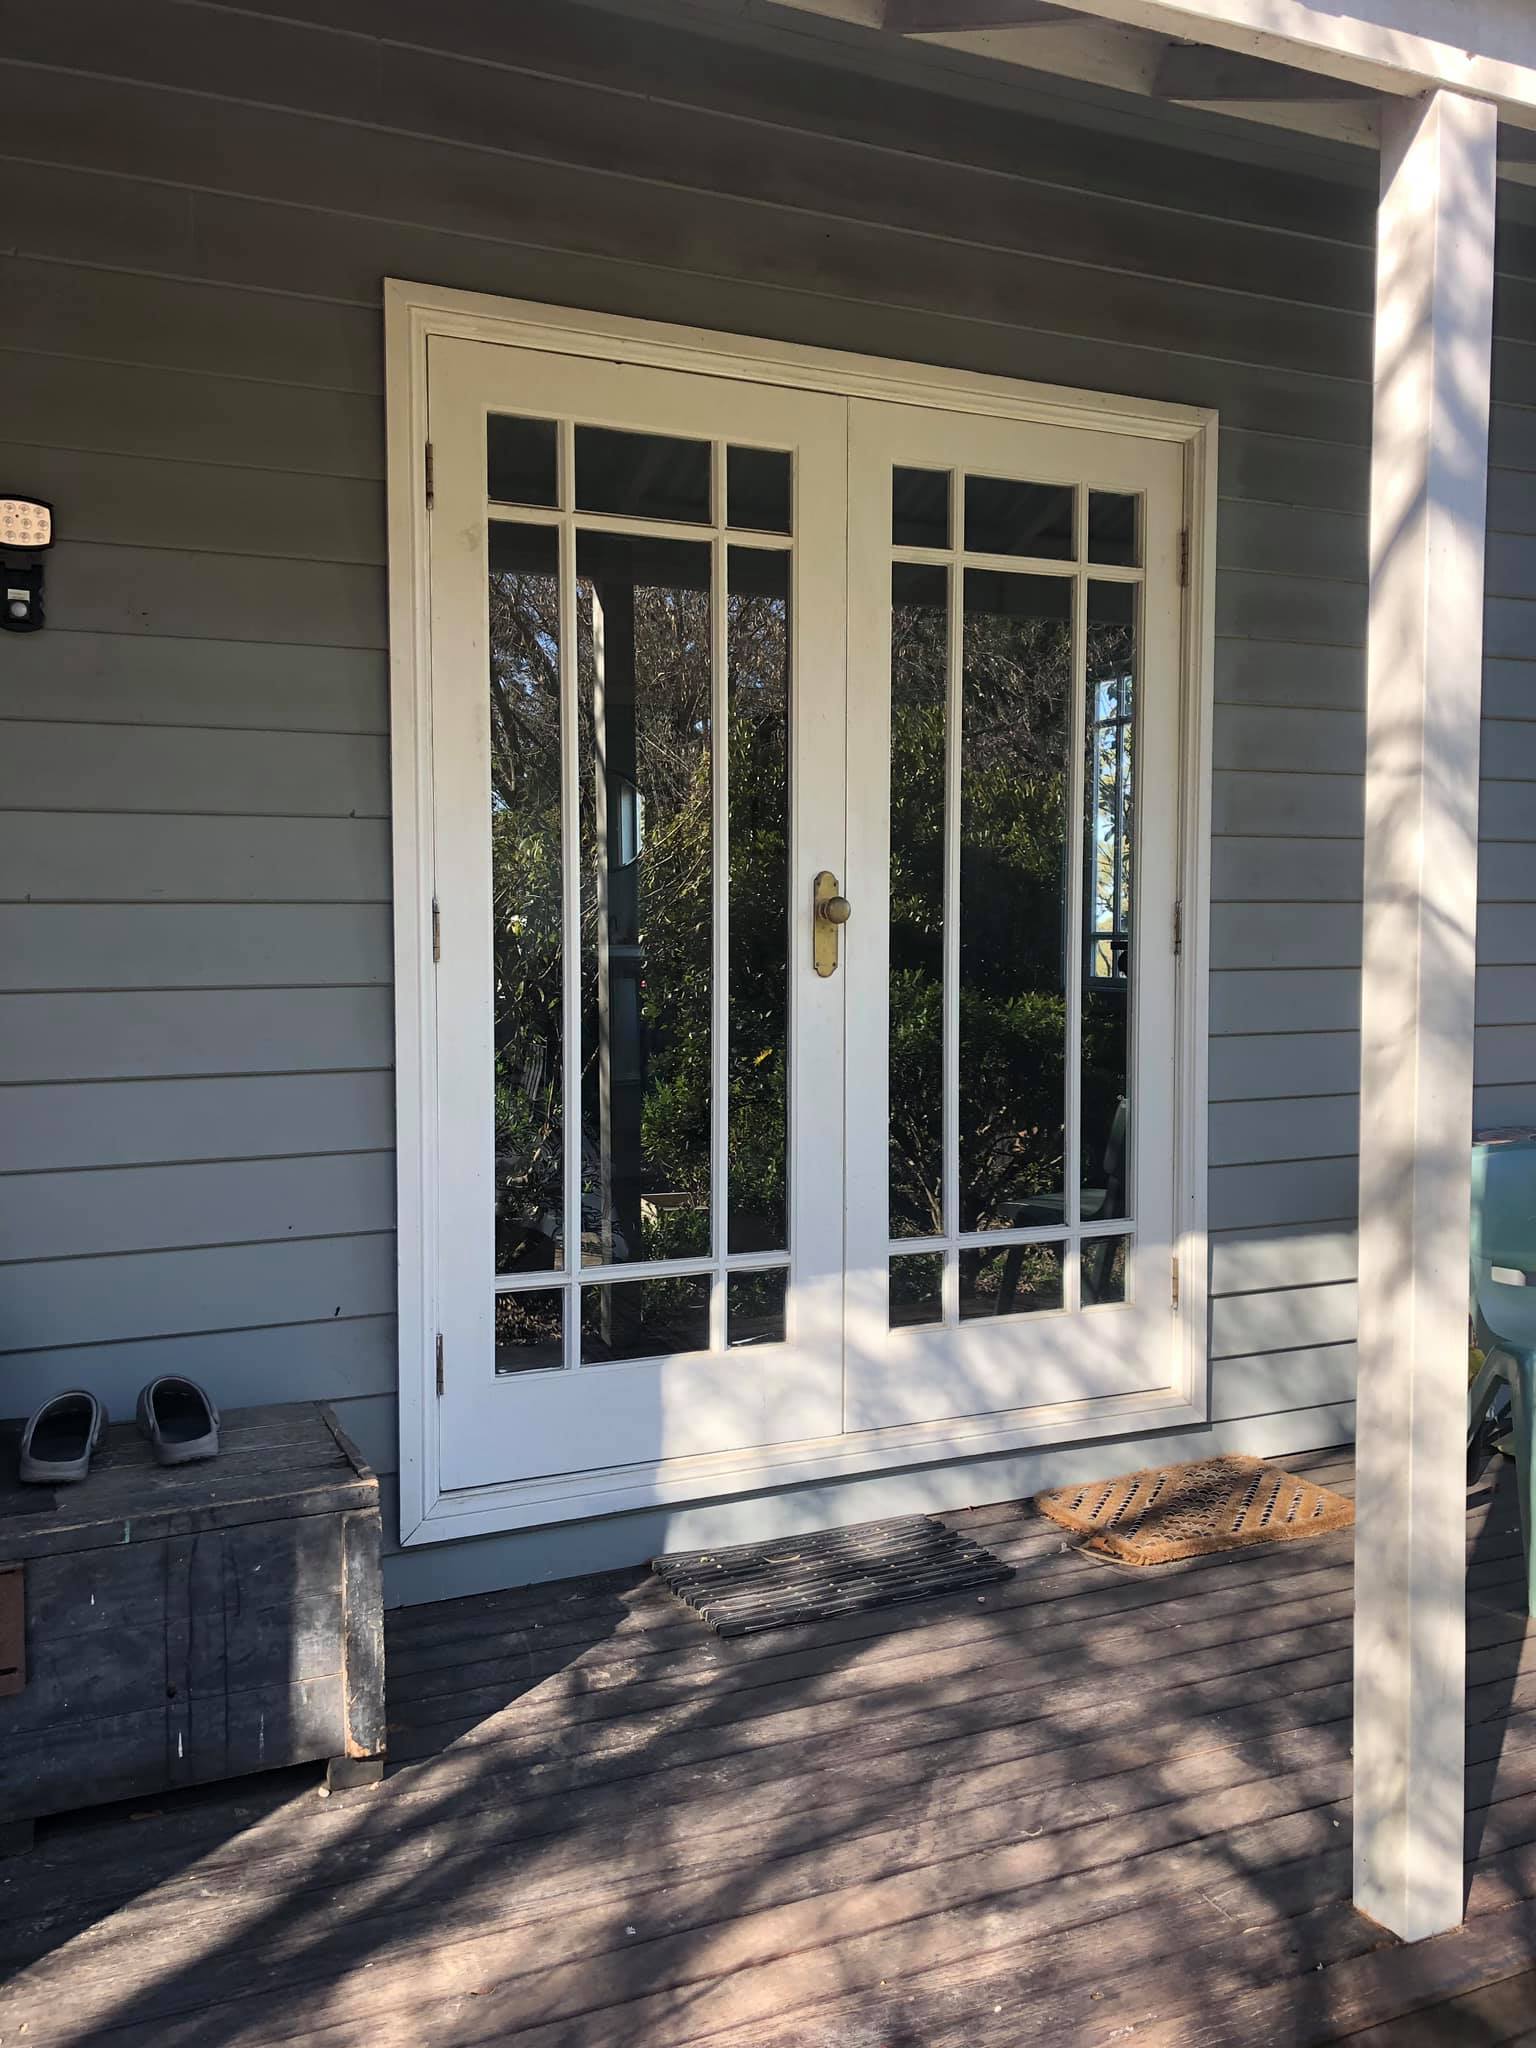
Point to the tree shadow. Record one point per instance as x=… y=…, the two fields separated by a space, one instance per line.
x=1497 y=1613
x=973 y=1819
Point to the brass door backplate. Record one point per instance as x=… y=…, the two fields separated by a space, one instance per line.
x=830 y=912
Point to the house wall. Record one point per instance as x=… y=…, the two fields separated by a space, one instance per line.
x=200 y=202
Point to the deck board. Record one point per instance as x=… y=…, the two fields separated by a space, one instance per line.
x=1501 y=2015
x=1080 y=1802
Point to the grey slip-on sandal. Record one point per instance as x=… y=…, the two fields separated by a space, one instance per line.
x=60 y=1438
x=180 y=1419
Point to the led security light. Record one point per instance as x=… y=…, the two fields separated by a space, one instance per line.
x=26 y=528
x=26 y=524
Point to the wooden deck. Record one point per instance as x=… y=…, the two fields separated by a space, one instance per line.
x=1084 y=1807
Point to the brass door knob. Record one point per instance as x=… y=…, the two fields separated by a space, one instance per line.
x=831 y=913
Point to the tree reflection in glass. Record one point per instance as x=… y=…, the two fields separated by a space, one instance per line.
x=1108 y=842
x=919 y=668
x=757 y=671
x=644 y=672
x=1013 y=865
x=526 y=896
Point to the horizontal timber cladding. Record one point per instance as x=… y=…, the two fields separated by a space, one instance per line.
x=62 y=1126
x=195 y=1025
x=121 y=1209
x=105 y=770
x=51 y=856
x=1505 y=1046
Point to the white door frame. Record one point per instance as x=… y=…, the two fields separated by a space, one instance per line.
x=412 y=314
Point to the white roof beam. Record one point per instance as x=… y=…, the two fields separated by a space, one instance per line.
x=948 y=17
x=1194 y=71
x=1485 y=48
x=1243 y=57
x=1095 y=51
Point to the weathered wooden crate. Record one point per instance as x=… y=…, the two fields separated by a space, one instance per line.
x=194 y=1623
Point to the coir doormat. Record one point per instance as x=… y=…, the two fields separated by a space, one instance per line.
x=756 y=1586
x=1173 y=1511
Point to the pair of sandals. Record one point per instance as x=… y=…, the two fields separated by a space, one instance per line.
x=60 y=1438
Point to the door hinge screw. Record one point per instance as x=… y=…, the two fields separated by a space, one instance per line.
x=439 y=1364
x=429 y=476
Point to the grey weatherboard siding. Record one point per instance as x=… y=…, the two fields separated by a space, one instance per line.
x=199 y=203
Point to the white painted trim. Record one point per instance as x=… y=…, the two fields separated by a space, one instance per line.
x=410 y=663
x=1481 y=47
x=412 y=313
x=1484 y=48
x=524 y=323
x=1391 y=48
x=482 y=1511
x=1429 y=487
x=534 y=1556
x=1192 y=1109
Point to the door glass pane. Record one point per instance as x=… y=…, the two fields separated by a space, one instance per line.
x=757 y=728
x=1013 y=871
x=644 y=1319
x=1104 y=1261
x=530 y=1331
x=1007 y=518
x=1109 y=819
x=520 y=460
x=526 y=957
x=644 y=673
x=920 y=508
x=754 y=1307
x=917 y=1289
x=1114 y=529
x=757 y=489
x=1021 y=1280
x=919 y=682
x=648 y=476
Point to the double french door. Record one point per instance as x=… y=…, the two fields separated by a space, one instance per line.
x=715 y=665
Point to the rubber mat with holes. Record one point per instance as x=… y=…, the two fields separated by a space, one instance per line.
x=1173 y=1511
x=755 y=1586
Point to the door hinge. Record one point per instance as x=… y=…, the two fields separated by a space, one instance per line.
x=1178 y=924
x=1183 y=542
x=439 y=1365
x=428 y=475
x=1174 y=1262
x=437 y=932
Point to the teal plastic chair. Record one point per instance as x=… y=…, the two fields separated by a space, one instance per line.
x=1504 y=1303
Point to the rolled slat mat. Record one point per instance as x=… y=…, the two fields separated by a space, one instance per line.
x=1166 y=1512
x=754 y=1586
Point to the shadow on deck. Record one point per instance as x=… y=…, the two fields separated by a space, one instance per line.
x=1084 y=1807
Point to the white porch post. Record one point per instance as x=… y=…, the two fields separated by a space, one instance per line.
x=1429 y=477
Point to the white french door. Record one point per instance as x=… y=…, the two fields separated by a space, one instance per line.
x=1013 y=853
x=638 y=730
x=714 y=1185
